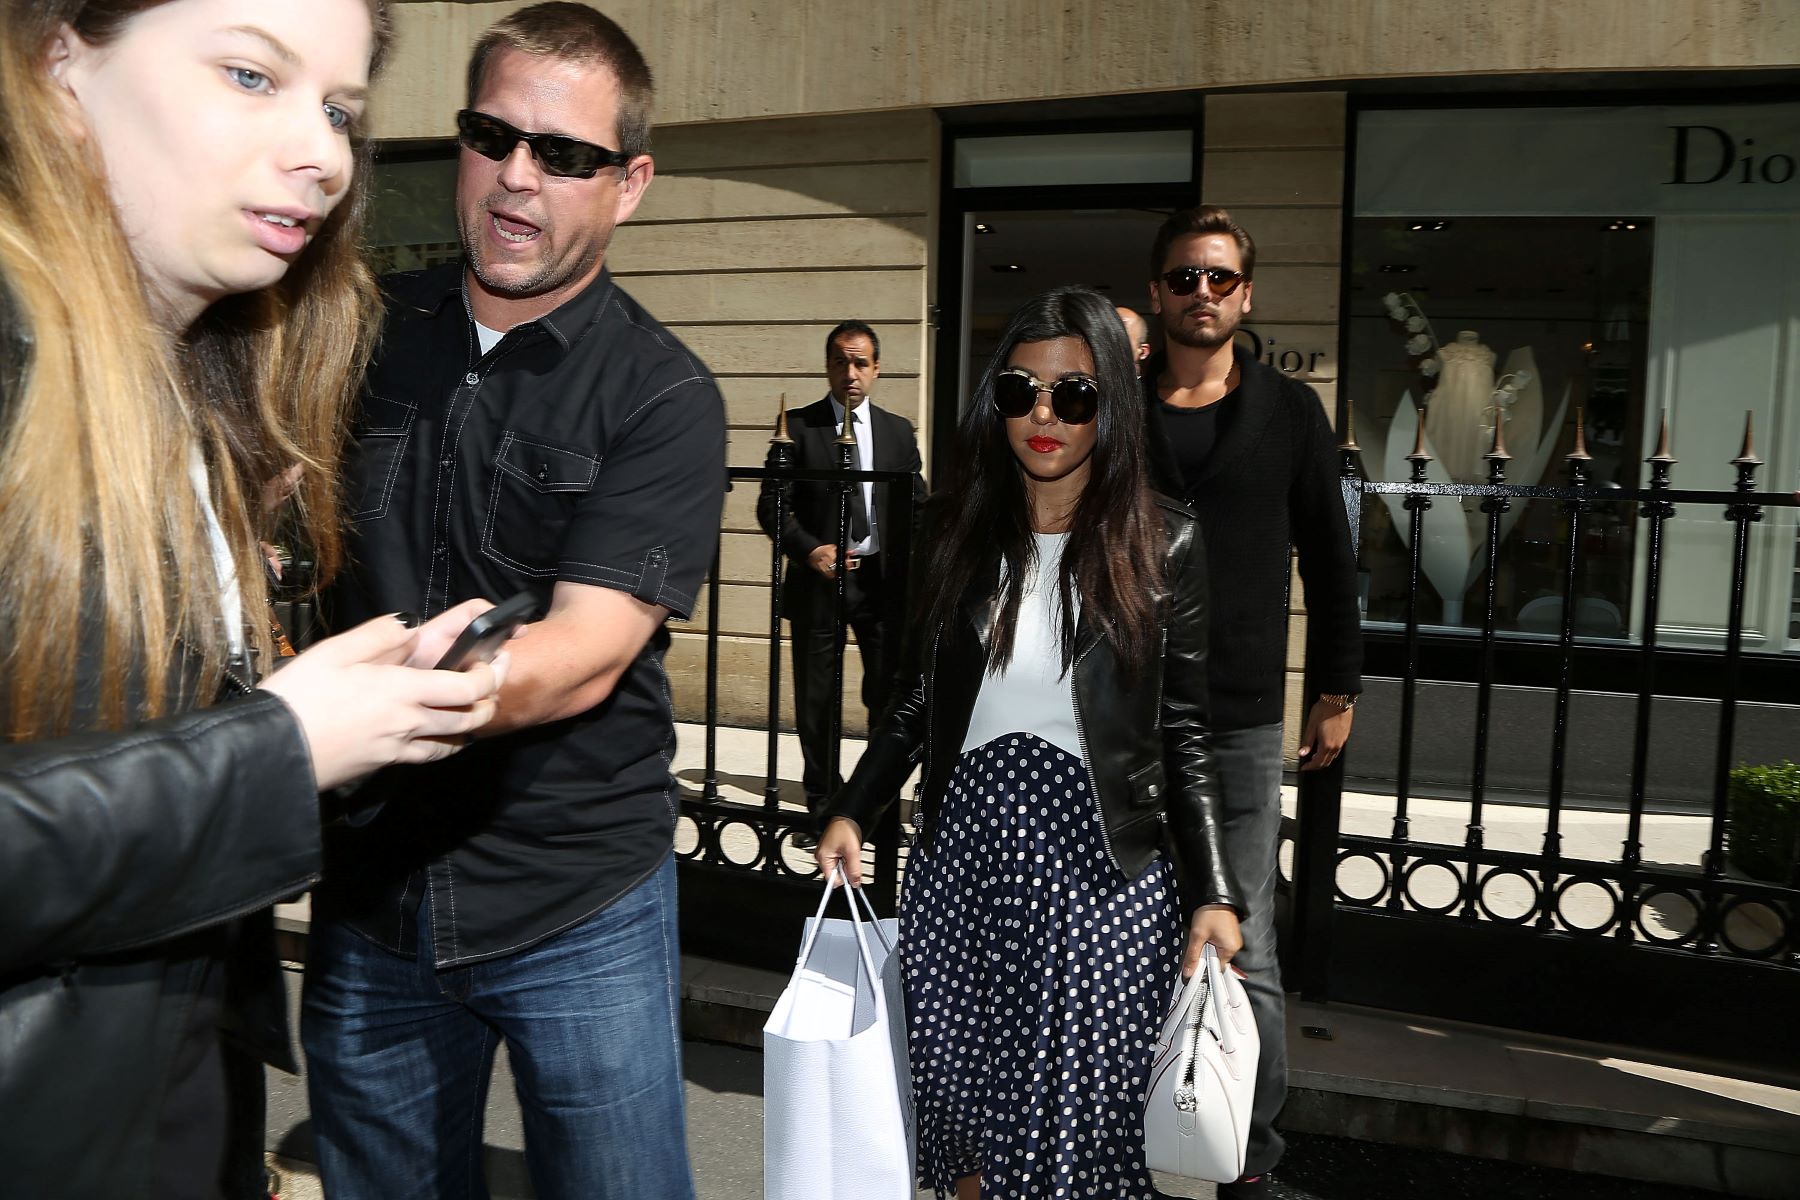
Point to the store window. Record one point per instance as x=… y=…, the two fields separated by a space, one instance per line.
x=1531 y=267
x=412 y=215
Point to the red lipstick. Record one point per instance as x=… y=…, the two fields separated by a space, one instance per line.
x=1044 y=445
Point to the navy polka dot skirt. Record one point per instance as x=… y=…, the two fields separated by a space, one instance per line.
x=1035 y=976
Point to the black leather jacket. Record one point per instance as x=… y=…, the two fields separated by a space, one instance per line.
x=1147 y=745
x=125 y=859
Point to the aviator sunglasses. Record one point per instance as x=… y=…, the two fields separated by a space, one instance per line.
x=1074 y=398
x=568 y=157
x=1185 y=281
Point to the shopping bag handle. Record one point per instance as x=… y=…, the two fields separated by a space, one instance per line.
x=862 y=943
x=881 y=936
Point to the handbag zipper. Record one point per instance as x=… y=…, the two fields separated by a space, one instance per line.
x=1186 y=1095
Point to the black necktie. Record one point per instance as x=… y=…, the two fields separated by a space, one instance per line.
x=859 y=511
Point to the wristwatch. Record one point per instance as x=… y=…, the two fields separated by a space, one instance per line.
x=1343 y=700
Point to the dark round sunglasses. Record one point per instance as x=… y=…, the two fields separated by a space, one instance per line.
x=1185 y=281
x=568 y=157
x=1073 y=398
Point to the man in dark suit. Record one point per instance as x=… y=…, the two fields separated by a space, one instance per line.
x=880 y=531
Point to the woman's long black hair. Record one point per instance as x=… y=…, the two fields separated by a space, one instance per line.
x=982 y=536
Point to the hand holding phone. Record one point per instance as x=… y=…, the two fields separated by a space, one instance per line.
x=482 y=638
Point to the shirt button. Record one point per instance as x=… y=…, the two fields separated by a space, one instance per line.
x=471 y=379
x=440 y=551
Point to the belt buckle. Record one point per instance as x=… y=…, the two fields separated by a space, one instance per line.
x=855 y=562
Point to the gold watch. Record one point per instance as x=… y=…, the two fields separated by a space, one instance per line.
x=1343 y=700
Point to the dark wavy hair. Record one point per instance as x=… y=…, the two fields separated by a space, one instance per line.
x=981 y=535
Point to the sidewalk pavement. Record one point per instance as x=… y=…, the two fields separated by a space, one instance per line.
x=1376 y=1099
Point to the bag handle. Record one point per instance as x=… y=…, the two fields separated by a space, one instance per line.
x=862 y=943
x=874 y=920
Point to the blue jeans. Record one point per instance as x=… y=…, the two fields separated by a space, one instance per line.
x=1248 y=762
x=399 y=1055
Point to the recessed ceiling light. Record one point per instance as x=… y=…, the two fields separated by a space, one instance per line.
x=1428 y=226
x=1397 y=268
x=1007 y=268
x=1620 y=226
x=981 y=228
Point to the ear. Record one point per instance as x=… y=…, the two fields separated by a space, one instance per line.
x=1249 y=289
x=1155 y=298
x=65 y=61
x=638 y=174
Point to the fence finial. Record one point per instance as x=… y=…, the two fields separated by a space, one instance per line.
x=848 y=436
x=1663 y=454
x=1349 y=442
x=1580 y=452
x=781 y=437
x=1498 y=449
x=1747 y=457
x=1419 y=453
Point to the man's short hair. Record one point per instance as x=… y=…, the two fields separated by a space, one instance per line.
x=852 y=327
x=1208 y=218
x=578 y=34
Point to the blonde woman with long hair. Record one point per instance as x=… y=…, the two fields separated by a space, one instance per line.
x=182 y=319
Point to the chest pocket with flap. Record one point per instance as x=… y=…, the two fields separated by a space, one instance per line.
x=534 y=492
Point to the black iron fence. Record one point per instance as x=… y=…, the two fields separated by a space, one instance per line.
x=748 y=876
x=1693 y=957
x=1690 y=957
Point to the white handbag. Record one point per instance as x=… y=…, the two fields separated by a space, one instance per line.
x=1203 y=1080
x=837 y=1090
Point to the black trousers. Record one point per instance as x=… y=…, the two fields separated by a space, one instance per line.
x=873 y=605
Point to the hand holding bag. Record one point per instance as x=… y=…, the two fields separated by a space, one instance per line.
x=1197 y=1112
x=837 y=1090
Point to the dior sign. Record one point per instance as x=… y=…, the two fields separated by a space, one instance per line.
x=1704 y=154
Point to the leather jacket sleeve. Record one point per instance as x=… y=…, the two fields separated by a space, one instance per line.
x=112 y=841
x=1193 y=803
x=895 y=745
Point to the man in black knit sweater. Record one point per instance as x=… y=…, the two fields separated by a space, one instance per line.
x=1251 y=450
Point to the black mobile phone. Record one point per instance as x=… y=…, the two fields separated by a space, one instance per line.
x=482 y=638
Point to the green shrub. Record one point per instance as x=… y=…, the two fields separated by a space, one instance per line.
x=1762 y=830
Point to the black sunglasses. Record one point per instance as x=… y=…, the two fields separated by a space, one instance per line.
x=569 y=157
x=1073 y=398
x=1185 y=281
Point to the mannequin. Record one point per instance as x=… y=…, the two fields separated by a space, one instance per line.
x=1459 y=406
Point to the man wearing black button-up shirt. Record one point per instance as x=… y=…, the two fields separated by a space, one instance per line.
x=526 y=427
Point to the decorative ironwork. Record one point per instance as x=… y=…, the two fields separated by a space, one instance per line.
x=1471 y=890
x=739 y=855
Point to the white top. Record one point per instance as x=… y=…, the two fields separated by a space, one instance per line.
x=865 y=461
x=1033 y=694
x=231 y=600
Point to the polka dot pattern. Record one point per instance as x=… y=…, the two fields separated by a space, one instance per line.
x=1035 y=976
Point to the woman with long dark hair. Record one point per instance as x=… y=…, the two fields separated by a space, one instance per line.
x=184 y=318
x=1055 y=687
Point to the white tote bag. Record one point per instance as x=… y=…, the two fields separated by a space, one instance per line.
x=837 y=1090
x=1197 y=1112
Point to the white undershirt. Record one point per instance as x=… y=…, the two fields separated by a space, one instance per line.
x=231 y=600
x=1033 y=694
x=489 y=338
